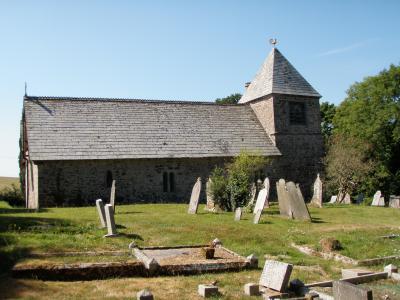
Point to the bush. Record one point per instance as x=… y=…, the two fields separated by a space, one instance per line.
x=13 y=195
x=230 y=187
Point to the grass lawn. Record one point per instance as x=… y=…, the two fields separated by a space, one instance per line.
x=8 y=181
x=76 y=229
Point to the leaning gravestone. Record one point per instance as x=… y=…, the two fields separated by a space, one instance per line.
x=333 y=199
x=317 y=196
x=112 y=194
x=261 y=199
x=276 y=275
x=111 y=229
x=343 y=290
x=210 y=206
x=101 y=212
x=267 y=186
x=394 y=201
x=257 y=216
x=297 y=206
x=238 y=214
x=377 y=197
x=194 y=198
x=283 y=198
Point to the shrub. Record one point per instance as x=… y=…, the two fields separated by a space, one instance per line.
x=13 y=195
x=230 y=187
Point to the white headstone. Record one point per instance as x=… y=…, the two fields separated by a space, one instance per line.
x=261 y=199
x=238 y=214
x=111 y=229
x=101 y=212
x=112 y=195
x=333 y=199
x=194 y=198
x=381 y=202
x=257 y=216
x=394 y=201
x=276 y=275
x=317 y=196
x=267 y=186
x=346 y=199
x=377 y=197
x=210 y=206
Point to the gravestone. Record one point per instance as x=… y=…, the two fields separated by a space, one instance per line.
x=257 y=216
x=343 y=290
x=333 y=199
x=360 y=198
x=346 y=199
x=317 y=196
x=101 y=212
x=210 y=206
x=267 y=186
x=394 y=201
x=112 y=195
x=238 y=214
x=283 y=198
x=207 y=290
x=276 y=275
x=111 y=229
x=194 y=198
x=377 y=197
x=261 y=199
x=381 y=202
x=297 y=206
x=144 y=295
x=253 y=193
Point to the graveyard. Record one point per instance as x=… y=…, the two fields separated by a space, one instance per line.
x=360 y=229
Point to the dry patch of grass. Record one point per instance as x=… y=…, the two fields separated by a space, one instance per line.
x=8 y=181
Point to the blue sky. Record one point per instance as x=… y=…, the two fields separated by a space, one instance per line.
x=187 y=50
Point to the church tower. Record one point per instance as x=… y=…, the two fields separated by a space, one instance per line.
x=287 y=106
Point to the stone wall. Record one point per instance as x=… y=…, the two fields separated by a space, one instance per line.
x=67 y=183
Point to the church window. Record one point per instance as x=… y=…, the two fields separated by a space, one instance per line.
x=297 y=113
x=168 y=182
x=165 y=182
x=109 y=179
x=171 y=182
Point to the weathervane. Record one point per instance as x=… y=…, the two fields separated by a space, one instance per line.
x=273 y=42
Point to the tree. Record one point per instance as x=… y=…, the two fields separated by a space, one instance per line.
x=328 y=111
x=371 y=113
x=346 y=164
x=232 y=99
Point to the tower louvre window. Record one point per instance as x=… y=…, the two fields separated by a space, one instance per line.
x=297 y=113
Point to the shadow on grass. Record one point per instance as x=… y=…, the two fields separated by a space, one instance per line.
x=317 y=220
x=20 y=210
x=131 y=236
x=128 y=212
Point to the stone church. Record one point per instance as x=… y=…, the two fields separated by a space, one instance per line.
x=73 y=148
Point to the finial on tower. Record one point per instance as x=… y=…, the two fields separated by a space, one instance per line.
x=26 y=88
x=273 y=42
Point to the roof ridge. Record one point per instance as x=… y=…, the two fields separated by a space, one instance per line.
x=39 y=98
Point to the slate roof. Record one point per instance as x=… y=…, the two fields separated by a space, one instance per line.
x=79 y=128
x=277 y=75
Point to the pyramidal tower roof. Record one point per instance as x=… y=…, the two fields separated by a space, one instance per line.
x=277 y=75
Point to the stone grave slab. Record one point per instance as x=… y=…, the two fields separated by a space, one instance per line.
x=347 y=291
x=283 y=199
x=257 y=216
x=238 y=214
x=349 y=273
x=317 y=195
x=261 y=199
x=207 y=290
x=101 y=212
x=194 y=198
x=276 y=275
x=298 y=208
x=377 y=197
x=394 y=201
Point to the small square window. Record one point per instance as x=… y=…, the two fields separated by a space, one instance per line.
x=297 y=113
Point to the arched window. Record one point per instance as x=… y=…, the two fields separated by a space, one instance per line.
x=168 y=182
x=109 y=179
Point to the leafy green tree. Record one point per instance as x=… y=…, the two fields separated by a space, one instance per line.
x=371 y=113
x=232 y=99
x=328 y=111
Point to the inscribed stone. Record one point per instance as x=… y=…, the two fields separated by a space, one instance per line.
x=343 y=290
x=297 y=206
x=112 y=194
x=394 y=201
x=238 y=214
x=276 y=275
x=377 y=197
x=257 y=216
x=210 y=206
x=261 y=199
x=101 y=212
x=317 y=196
x=111 y=229
x=283 y=198
x=194 y=198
